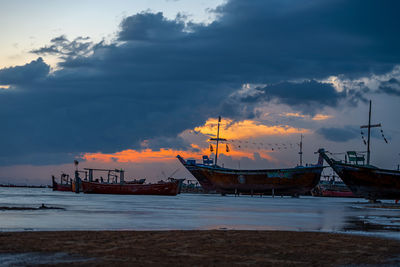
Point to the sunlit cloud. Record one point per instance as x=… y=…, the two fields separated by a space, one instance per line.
x=321 y=117
x=317 y=117
x=140 y=156
x=166 y=155
x=246 y=129
x=296 y=115
x=230 y=130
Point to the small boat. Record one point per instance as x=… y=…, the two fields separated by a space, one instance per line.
x=64 y=185
x=366 y=180
x=331 y=188
x=165 y=189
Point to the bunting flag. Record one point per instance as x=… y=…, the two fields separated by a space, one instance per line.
x=211 y=148
x=383 y=136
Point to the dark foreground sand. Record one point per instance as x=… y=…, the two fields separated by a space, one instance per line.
x=194 y=248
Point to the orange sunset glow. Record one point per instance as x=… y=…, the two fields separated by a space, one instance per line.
x=246 y=129
x=317 y=117
x=229 y=130
x=162 y=155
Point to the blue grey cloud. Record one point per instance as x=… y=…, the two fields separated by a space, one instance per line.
x=390 y=87
x=30 y=72
x=163 y=76
x=339 y=134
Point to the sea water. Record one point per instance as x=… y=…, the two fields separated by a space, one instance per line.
x=191 y=212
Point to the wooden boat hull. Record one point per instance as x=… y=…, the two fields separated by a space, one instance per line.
x=61 y=187
x=367 y=181
x=166 y=189
x=370 y=183
x=293 y=181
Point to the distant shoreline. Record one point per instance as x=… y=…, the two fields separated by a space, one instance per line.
x=200 y=247
x=25 y=186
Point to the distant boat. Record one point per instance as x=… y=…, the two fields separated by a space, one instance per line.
x=166 y=188
x=291 y=181
x=332 y=188
x=64 y=185
x=366 y=180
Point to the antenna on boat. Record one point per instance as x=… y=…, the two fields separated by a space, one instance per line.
x=369 y=126
x=217 y=139
x=301 y=150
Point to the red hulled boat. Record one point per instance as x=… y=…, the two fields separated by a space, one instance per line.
x=332 y=188
x=165 y=189
x=64 y=185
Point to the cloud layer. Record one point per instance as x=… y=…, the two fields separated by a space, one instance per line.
x=160 y=77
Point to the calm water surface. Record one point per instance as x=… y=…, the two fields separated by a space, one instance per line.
x=192 y=211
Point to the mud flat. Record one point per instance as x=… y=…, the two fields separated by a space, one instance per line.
x=195 y=248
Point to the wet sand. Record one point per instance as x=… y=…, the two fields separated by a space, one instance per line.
x=195 y=248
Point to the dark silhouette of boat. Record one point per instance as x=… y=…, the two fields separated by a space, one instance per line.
x=366 y=180
x=291 y=181
x=64 y=185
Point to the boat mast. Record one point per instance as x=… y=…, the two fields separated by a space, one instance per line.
x=217 y=140
x=369 y=126
x=301 y=150
x=216 y=150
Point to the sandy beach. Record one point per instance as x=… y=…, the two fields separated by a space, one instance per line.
x=205 y=248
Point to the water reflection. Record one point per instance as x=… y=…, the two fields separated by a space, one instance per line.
x=191 y=211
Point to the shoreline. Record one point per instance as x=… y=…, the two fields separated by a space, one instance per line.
x=199 y=247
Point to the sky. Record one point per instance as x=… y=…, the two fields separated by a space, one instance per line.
x=131 y=84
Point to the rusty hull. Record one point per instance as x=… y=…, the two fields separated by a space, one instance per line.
x=366 y=181
x=60 y=187
x=293 y=181
x=370 y=182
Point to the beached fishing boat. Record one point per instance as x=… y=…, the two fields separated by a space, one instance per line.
x=64 y=185
x=166 y=188
x=290 y=181
x=366 y=180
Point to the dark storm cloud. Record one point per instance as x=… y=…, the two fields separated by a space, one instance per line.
x=339 y=134
x=390 y=87
x=346 y=133
x=148 y=27
x=307 y=96
x=33 y=71
x=163 y=76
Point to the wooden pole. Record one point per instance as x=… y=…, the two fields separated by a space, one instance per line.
x=369 y=126
x=301 y=150
x=216 y=150
x=369 y=133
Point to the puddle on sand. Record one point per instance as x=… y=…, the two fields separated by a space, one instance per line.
x=372 y=223
x=37 y=258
